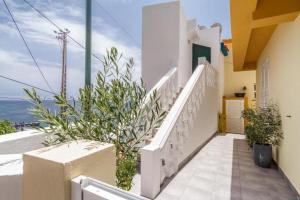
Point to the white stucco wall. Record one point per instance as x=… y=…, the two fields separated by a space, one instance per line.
x=167 y=42
x=11 y=165
x=160 y=40
x=11 y=169
x=21 y=142
x=204 y=123
x=211 y=38
x=185 y=52
x=221 y=80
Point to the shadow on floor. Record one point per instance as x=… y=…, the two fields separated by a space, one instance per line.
x=224 y=170
x=251 y=182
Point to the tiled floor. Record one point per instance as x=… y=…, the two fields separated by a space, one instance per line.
x=224 y=170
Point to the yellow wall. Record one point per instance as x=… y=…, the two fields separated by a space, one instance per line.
x=283 y=53
x=234 y=81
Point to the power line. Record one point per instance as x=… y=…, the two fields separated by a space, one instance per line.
x=59 y=28
x=117 y=22
x=20 y=82
x=27 y=47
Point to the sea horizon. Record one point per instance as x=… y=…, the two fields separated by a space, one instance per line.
x=18 y=111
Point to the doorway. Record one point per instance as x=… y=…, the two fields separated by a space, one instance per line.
x=200 y=51
x=232 y=109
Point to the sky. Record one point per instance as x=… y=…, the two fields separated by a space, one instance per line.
x=114 y=22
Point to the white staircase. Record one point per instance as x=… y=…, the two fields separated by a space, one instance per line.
x=168 y=90
x=191 y=121
x=90 y=189
x=167 y=108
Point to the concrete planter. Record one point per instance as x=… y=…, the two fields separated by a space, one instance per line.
x=262 y=155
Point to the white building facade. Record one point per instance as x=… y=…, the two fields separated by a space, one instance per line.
x=168 y=39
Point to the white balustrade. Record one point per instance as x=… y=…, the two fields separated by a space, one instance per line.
x=170 y=146
x=167 y=88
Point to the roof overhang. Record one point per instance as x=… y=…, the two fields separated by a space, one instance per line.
x=252 y=25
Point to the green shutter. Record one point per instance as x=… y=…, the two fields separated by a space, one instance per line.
x=200 y=51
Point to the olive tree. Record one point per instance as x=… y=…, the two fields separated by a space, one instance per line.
x=115 y=110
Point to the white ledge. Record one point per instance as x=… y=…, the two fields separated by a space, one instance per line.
x=19 y=135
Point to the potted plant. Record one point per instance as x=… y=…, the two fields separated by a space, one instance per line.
x=242 y=93
x=263 y=130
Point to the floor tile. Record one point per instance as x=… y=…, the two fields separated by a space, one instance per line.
x=224 y=170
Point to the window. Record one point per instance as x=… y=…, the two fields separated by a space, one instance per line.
x=265 y=83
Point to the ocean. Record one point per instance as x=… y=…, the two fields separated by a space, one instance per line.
x=18 y=111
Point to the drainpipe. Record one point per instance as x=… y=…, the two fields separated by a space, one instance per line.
x=88 y=38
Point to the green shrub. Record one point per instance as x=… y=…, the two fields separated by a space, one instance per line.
x=263 y=125
x=125 y=171
x=113 y=111
x=6 y=127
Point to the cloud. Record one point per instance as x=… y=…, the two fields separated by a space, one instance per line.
x=39 y=30
x=26 y=72
x=39 y=34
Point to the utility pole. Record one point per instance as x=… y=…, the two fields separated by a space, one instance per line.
x=62 y=38
x=88 y=38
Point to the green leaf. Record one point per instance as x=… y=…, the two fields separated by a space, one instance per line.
x=111 y=111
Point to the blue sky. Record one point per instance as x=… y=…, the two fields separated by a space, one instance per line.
x=16 y=63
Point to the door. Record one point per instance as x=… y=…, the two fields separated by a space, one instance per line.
x=200 y=51
x=234 y=120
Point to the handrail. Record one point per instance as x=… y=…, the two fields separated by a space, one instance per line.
x=163 y=80
x=182 y=101
x=169 y=148
x=166 y=128
x=166 y=88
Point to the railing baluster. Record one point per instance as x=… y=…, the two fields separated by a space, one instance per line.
x=171 y=137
